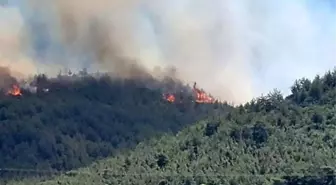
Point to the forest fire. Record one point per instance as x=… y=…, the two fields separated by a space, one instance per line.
x=200 y=96
x=14 y=91
x=169 y=97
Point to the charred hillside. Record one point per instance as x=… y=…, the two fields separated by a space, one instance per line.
x=69 y=121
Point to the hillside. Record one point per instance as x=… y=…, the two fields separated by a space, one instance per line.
x=270 y=140
x=68 y=122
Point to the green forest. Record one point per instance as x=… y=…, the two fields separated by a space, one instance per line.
x=100 y=131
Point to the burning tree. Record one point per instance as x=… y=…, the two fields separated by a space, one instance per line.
x=169 y=97
x=14 y=91
x=199 y=96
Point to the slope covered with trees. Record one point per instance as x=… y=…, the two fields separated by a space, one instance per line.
x=270 y=140
x=69 y=122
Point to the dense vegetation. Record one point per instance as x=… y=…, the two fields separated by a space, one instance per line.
x=270 y=140
x=81 y=119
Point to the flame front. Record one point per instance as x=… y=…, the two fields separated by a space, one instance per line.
x=15 y=91
x=169 y=97
x=202 y=97
x=199 y=95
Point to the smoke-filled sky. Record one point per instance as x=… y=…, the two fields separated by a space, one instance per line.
x=235 y=49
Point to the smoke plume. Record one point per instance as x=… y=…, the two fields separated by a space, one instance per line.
x=234 y=49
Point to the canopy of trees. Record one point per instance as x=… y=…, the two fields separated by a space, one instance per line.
x=271 y=140
x=82 y=120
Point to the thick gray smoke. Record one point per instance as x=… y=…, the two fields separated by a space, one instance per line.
x=234 y=49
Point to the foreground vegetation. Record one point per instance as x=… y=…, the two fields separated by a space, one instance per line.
x=270 y=140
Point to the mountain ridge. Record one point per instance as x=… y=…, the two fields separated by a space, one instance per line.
x=271 y=140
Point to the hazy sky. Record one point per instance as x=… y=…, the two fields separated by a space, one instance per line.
x=257 y=45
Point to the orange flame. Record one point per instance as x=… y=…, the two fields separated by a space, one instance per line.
x=202 y=97
x=169 y=97
x=15 y=91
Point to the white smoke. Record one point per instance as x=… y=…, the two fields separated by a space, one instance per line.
x=11 y=41
x=248 y=47
x=235 y=49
